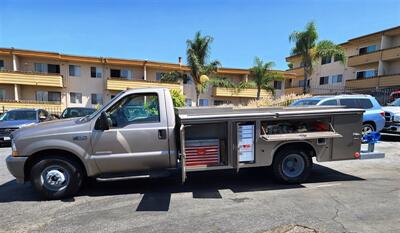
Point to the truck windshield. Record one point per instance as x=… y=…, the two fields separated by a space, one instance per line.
x=18 y=115
x=305 y=102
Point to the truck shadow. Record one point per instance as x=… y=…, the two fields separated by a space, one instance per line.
x=157 y=192
x=390 y=137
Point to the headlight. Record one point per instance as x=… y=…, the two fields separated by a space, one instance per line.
x=396 y=118
x=13 y=148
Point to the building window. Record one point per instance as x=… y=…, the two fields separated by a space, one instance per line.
x=220 y=102
x=323 y=80
x=188 y=102
x=326 y=60
x=367 y=49
x=97 y=99
x=40 y=67
x=2 y=94
x=337 y=78
x=187 y=80
x=75 y=97
x=53 y=69
x=74 y=70
x=159 y=75
x=48 y=96
x=95 y=72
x=336 y=58
x=278 y=85
x=203 y=102
x=365 y=74
x=1 y=65
x=124 y=73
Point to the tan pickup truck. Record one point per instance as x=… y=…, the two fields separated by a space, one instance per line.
x=140 y=134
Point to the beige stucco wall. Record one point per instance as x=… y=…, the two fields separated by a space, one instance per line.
x=7 y=62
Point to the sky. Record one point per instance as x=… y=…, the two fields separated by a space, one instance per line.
x=158 y=30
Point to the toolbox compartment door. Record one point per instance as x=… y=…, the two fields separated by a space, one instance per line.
x=349 y=126
x=182 y=154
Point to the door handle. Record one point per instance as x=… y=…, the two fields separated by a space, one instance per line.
x=162 y=134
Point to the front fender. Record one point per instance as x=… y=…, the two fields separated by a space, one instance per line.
x=57 y=144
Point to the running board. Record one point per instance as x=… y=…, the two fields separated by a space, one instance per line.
x=132 y=175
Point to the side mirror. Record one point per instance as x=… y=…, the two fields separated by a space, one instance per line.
x=102 y=123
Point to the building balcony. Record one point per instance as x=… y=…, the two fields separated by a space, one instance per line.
x=31 y=79
x=243 y=93
x=391 y=54
x=379 y=81
x=294 y=90
x=364 y=59
x=123 y=84
x=52 y=107
x=299 y=71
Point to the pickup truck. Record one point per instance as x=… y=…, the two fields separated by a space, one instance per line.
x=139 y=133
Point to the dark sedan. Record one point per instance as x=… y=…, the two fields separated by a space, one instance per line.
x=76 y=112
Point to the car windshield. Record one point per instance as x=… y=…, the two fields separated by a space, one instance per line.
x=18 y=115
x=305 y=102
x=77 y=112
x=395 y=103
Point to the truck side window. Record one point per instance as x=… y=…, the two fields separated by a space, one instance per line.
x=135 y=109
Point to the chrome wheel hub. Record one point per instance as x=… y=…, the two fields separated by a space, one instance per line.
x=55 y=178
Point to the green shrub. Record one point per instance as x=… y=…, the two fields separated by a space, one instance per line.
x=177 y=98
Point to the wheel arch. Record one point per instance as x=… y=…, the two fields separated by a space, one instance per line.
x=307 y=146
x=42 y=154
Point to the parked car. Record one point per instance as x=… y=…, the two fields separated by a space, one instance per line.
x=17 y=118
x=76 y=112
x=373 y=118
x=392 y=117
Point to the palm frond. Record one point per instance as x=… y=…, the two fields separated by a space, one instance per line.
x=327 y=48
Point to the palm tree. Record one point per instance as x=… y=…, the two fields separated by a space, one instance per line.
x=310 y=50
x=263 y=76
x=198 y=53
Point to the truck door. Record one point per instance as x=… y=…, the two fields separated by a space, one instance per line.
x=137 y=139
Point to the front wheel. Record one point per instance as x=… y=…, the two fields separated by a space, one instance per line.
x=56 y=177
x=292 y=166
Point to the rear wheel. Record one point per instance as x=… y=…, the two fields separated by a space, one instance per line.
x=56 y=177
x=367 y=128
x=292 y=165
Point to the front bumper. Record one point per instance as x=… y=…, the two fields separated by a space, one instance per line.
x=16 y=167
x=392 y=128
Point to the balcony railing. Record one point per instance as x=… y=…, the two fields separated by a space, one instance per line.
x=50 y=106
x=243 y=93
x=384 y=54
x=391 y=53
x=357 y=60
x=378 y=81
x=299 y=71
x=114 y=84
x=30 y=78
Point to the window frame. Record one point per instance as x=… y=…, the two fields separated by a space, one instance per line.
x=278 y=84
x=76 y=71
x=76 y=94
x=145 y=94
x=98 y=72
x=322 y=80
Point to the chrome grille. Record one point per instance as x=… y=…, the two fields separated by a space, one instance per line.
x=6 y=131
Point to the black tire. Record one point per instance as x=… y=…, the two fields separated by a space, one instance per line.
x=366 y=126
x=52 y=167
x=285 y=175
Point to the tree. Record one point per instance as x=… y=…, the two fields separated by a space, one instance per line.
x=173 y=76
x=310 y=50
x=263 y=76
x=198 y=54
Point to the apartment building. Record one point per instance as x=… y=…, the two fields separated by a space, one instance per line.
x=373 y=62
x=55 y=81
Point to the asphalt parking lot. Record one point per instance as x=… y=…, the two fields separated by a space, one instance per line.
x=345 y=196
